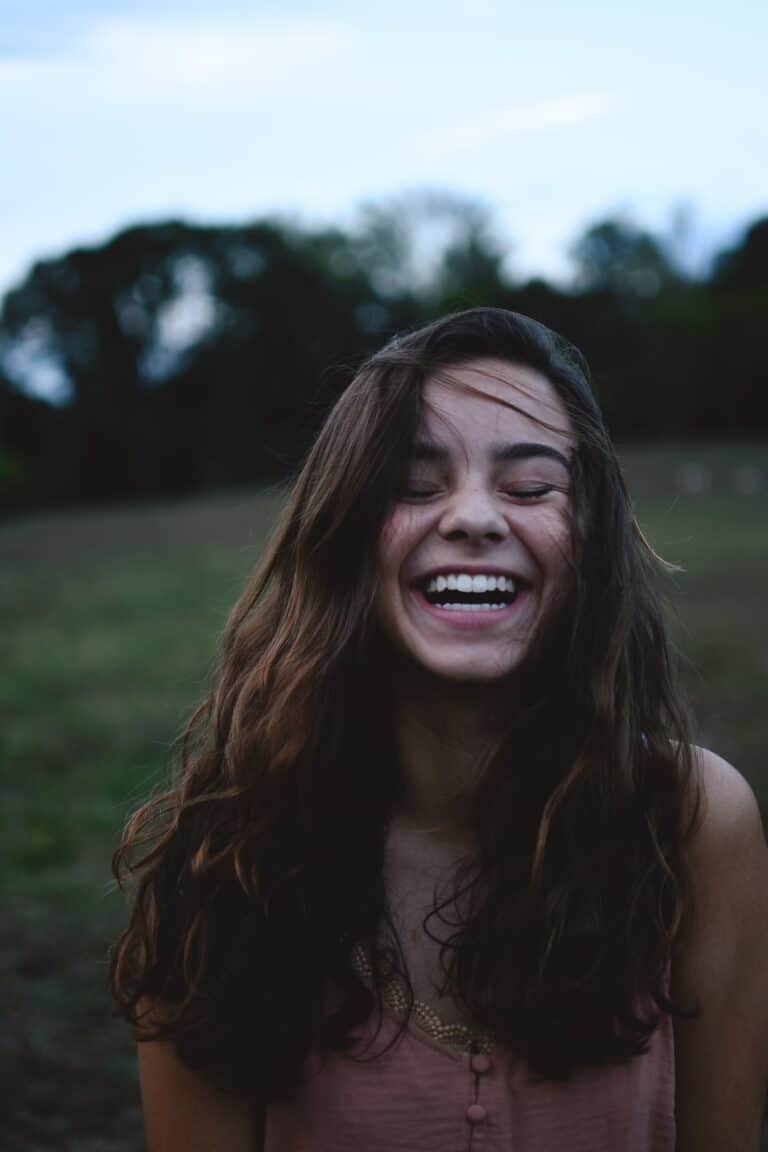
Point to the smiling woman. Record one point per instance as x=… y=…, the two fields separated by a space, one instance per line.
x=443 y=866
x=480 y=500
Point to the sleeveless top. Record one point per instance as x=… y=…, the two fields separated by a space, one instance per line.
x=440 y=1088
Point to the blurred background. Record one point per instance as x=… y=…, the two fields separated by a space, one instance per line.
x=211 y=214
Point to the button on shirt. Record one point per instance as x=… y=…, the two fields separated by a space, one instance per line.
x=422 y=1095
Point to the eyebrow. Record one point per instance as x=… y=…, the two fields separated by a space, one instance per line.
x=500 y=453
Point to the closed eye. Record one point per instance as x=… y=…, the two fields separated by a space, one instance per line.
x=418 y=493
x=529 y=493
x=518 y=493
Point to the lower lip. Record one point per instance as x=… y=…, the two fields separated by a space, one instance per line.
x=471 y=620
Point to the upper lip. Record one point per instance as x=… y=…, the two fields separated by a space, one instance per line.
x=471 y=570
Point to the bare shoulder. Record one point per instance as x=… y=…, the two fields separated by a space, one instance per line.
x=723 y=782
x=721 y=1056
x=184 y=1112
x=729 y=808
x=727 y=852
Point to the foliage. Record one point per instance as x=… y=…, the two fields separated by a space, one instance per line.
x=614 y=256
x=184 y=358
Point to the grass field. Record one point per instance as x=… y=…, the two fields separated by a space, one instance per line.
x=110 y=623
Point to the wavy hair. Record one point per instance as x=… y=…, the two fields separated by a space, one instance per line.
x=260 y=867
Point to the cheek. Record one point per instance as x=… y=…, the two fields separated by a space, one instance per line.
x=549 y=538
x=386 y=553
x=561 y=541
x=561 y=565
x=387 y=536
x=399 y=535
x=391 y=552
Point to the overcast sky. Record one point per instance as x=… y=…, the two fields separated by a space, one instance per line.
x=554 y=114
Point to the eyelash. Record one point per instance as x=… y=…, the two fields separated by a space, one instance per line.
x=519 y=493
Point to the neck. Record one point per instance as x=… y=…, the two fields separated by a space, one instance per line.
x=441 y=737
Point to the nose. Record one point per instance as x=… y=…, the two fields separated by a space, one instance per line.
x=473 y=513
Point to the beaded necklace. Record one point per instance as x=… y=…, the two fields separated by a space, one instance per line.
x=394 y=995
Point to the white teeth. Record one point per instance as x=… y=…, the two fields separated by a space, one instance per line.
x=463 y=582
x=472 y=607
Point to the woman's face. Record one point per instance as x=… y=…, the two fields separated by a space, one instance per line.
x=475 y=552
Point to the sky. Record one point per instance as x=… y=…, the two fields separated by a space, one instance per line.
x=554 y=115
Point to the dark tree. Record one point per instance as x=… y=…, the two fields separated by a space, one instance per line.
x=745 y=267
x=193 y=353
x=738 y=364
x=199 y=356
x=615 y=256
x=97 y=313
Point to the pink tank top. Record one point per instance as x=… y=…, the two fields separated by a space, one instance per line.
x=424 y=1096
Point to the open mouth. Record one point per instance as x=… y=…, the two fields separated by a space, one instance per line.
x=464 y=593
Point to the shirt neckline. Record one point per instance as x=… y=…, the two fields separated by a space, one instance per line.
x=424 y=1022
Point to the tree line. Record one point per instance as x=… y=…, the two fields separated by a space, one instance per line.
x=179 y=357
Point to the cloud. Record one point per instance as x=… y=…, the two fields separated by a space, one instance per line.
x=211 y=61
x=518 y=119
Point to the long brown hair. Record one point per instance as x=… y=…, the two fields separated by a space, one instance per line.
x=261 y=866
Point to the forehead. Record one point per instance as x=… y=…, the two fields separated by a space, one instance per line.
x=490 y=399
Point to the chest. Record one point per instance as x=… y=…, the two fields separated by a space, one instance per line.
x=425 y=913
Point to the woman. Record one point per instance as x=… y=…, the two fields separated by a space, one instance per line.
x=443 y=868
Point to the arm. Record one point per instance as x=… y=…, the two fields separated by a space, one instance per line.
x=184 y=1113
x=721 y=1059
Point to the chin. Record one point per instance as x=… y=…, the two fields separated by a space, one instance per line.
x=470 y=673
